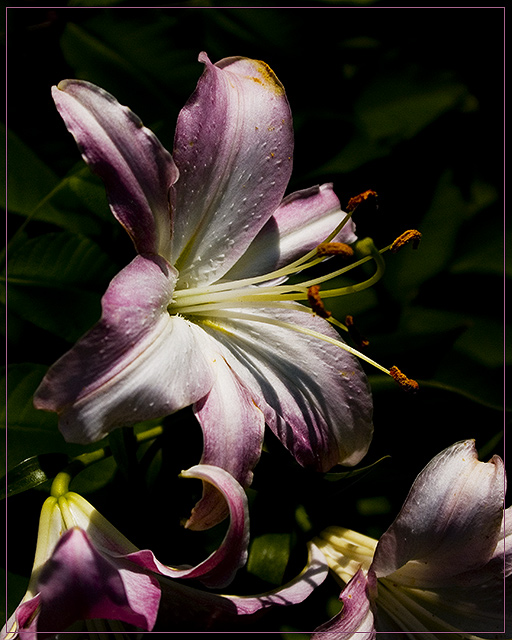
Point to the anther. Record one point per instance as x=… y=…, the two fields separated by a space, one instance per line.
x=316 y=302
x=412 y=235
x=406 y=383
x=356 y=200
x=355 y=334
x=335 y=249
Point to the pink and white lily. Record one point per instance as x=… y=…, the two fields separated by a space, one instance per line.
x=85 y=569
x=203 y=316
x=441 y=567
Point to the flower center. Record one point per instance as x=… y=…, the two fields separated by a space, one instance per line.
x=241 y=299
x=346 y=551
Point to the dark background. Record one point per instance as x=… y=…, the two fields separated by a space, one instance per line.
x=405 y=101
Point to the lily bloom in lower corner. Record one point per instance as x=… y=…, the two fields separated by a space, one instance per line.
x=444 y=564
x=86 y=571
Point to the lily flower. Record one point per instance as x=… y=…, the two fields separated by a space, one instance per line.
x=204 y=315
x=441 y=567
x=86 y=570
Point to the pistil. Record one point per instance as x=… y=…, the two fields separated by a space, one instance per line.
x=228 y=299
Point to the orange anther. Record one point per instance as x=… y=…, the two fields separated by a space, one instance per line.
x=316 y=302
x=356 y=200
x=406 y=383
x=412 y=235
x=335 y=249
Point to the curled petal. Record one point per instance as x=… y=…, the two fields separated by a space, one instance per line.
x=302 y=221
x=138 y=172
x=137 y=363
x=233 y=148
x=450 y=521
x=314 y=395
x=355 y=620
x=220 y=567
x=188 y=609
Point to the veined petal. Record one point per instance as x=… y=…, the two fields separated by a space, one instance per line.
x=79 y=583
x=188 y=609
x=220 y=567
x=233 y=149
x=138 y=172
x=137 y=363
x=302 y=221
x=355 y=620
x=233 y=428
x=450 y=522
x=314 y=395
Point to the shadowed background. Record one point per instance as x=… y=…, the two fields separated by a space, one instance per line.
x=407 y=102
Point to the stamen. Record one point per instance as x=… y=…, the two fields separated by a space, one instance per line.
x=406 y=383
x=356 y=200
x=335 y=249
x=355 y=334
x=412 y=235
x=316 y=302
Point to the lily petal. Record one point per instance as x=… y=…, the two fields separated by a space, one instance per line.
x=302 y=221
x=355 y=620
x=68 y=588
x=220 y=567
x=137 y=363
x=233 y=148
x=449 y=523
x=295 y=591
x=188 y=609
x=138 y=172
x=233 y=429
x=314 y=395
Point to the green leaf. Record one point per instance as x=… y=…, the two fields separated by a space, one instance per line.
x=50 y=280
x=30 y=432
x=393 y=108
x=397 y=106
x=32 y=472
x=268 y=556
x=45 y=199
x=25 y=168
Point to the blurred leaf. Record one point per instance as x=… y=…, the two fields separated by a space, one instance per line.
x=394 y=107
x=374 y=505
x=397 y=106
x=32 y=472
x=268 y=556
x=49 y=278
x=25 y=168
x=484 y=248
x=58 y=259
x=33 y=190
x=440 y=228
x=94 y=477
x=29 y=431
